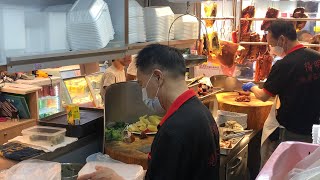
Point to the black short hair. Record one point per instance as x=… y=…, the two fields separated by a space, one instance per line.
x=163 y=57
x=285 y=28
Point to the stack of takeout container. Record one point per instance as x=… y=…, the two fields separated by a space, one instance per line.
x=158 y=20
x=89 y=25
x=186 y=27
x=137 y=32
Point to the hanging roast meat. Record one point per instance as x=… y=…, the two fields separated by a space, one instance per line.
x=211 y=44
x=227 y=56
x=263 y=49
x=249 y=51
x=254 y=49
x=247 y=12
x=299 y=13
x=271 y=13
x=263 y=67
x=210 y=10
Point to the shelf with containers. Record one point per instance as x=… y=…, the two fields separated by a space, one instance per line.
x=33 y=41
x=49 y=96
x=276 y=10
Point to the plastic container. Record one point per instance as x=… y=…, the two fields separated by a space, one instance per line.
x=56 y=16
x=12 y=35
x=43 y=133
x=89 y=25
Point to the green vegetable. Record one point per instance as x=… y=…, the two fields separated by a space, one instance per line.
x=114 y=131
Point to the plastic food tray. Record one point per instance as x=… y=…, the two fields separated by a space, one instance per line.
x=43 y=133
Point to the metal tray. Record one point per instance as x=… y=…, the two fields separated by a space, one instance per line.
x=226 y=151
x=194 y=60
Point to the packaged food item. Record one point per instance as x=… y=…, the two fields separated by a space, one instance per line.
x=53 y=135
x=73 y=114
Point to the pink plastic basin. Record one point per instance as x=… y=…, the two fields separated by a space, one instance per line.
x=284 y=158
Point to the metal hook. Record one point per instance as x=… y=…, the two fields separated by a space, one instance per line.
x=222 y=30
x=188 y=8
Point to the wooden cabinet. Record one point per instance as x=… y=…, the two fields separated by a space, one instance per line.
x=11 y=129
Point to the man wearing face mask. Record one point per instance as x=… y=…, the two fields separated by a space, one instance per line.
x=296 y=81
x=187 y=143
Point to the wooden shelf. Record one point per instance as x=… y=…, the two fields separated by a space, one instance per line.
x=52 y=60
x=11 y=124
x=40 y=81
x=254 y=43
x=136 y=47
x=19 y=88
x=285 y=19
x=265 y=43
x=218 y=18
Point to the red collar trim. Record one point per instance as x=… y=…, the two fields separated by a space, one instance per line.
x=177 y=104
x=299 y=46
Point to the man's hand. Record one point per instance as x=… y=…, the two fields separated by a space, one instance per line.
x=248 y=86
x=102 y=173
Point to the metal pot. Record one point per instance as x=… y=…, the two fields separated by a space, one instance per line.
x=226 y=82
x=69 y=171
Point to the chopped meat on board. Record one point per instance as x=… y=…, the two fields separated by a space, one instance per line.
x=243 y=98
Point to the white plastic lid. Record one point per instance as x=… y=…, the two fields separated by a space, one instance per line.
x=43 y=131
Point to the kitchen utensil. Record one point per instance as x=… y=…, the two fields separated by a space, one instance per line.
x=194 y=60
x=226 y=82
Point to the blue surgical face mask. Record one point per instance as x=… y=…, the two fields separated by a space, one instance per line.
x=277 y=50
x=152 y=103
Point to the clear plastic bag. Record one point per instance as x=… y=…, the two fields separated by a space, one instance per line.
x=127 y=171
x=99 y=157
x=308 y=168
x=33 y=169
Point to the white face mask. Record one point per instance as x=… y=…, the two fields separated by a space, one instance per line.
x=153 y=104
x=277 y=50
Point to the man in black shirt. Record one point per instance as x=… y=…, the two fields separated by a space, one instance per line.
x=186 y=146
x=295 y=79
x=187 y=143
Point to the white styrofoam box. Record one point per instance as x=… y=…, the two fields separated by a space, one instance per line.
x=86 y=11
x=224 y=116
x=35 y=33
x=89 y=25
x=158 y=20
x=56 y=27
x=135 y=9
x=109 y=22
x=186 y=27
x=12 y=29
x=316 y=134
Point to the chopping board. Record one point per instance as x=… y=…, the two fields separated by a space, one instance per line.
x=130 y=153
x=256 y=109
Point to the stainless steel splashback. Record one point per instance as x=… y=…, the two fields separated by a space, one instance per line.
x=123 y=103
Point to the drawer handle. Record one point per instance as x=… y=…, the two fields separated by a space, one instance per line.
x=5 y=134
x=239 y=161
